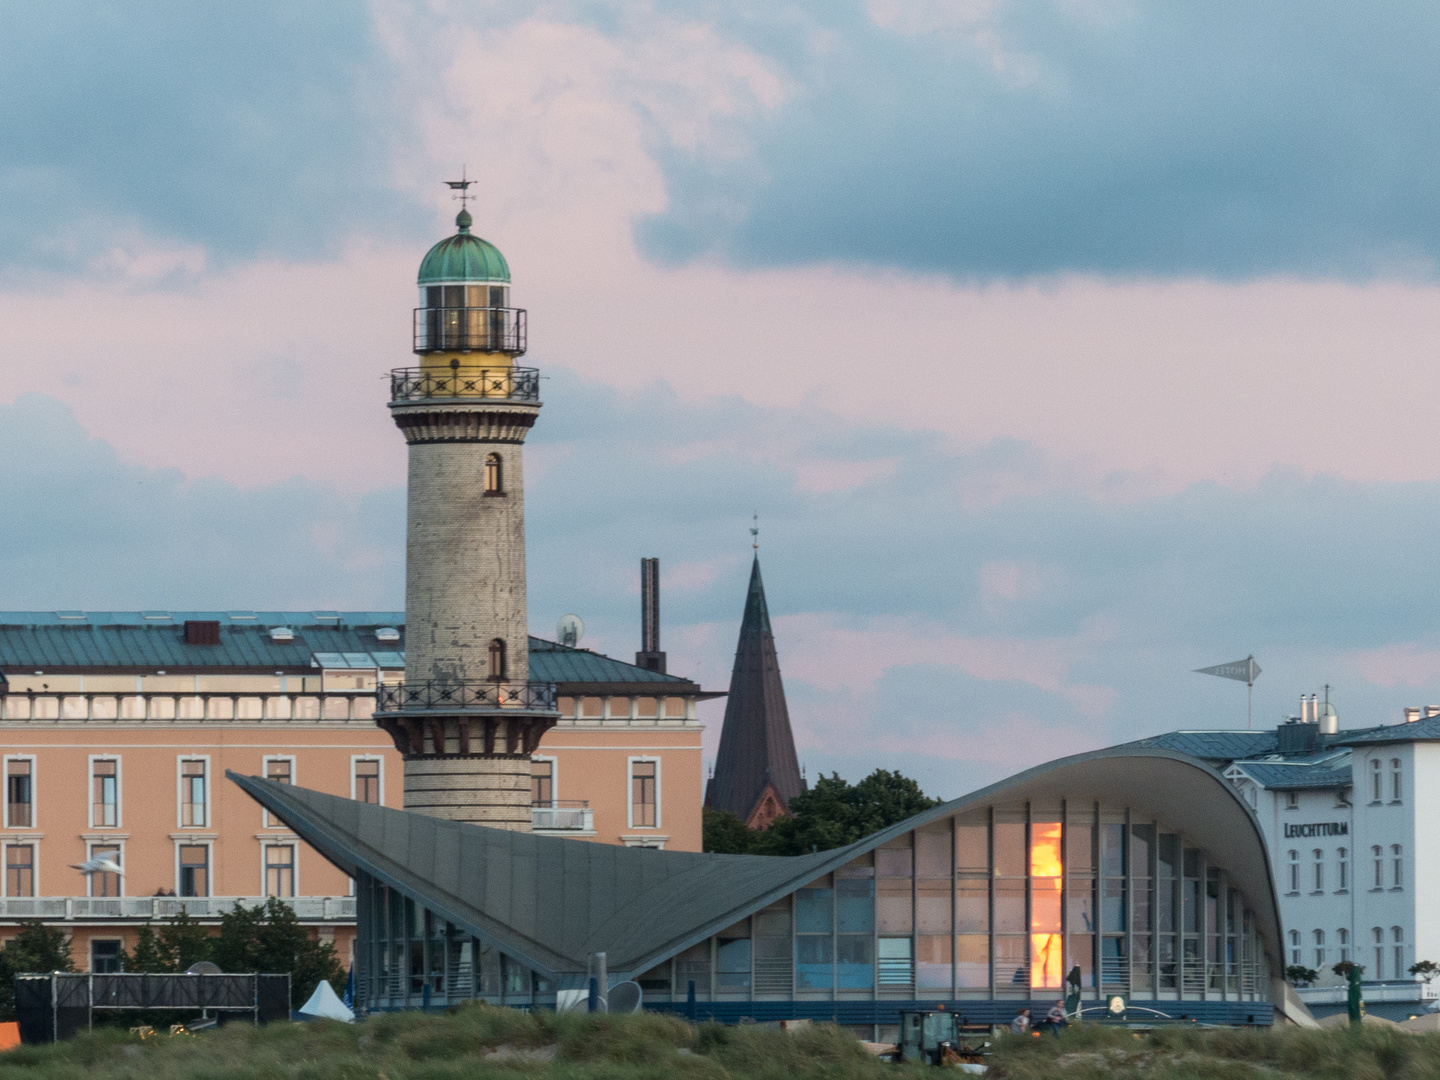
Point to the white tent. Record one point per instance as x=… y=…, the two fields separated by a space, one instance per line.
x=324 y=1005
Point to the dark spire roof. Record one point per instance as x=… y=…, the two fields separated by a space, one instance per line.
x=757 y=749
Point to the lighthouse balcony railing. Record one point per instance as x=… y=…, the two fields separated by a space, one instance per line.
x=438 y=694
x=470 y=329
x=459 y=381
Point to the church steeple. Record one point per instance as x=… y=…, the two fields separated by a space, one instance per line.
x=756 y=773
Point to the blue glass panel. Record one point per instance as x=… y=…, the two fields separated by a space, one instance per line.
x=813 y=962
x=1112 y=850
x=813 y=910
x=856 y=905
x=854 y=962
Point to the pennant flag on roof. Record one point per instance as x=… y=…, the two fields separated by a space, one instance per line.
x=1239 y=670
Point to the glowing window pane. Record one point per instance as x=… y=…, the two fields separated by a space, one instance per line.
x=1046 y=960
x=1045 y=849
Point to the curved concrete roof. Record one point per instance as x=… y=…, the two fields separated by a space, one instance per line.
x=551 y=902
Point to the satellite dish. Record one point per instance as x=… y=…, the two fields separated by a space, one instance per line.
x=569 y=630
x=626 y=997
x=203 y=967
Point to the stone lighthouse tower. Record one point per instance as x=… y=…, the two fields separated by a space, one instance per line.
x=467 y=718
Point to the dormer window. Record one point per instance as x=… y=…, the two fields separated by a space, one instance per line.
x=1292 y=800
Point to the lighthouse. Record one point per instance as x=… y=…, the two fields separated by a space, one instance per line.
x=467 y=718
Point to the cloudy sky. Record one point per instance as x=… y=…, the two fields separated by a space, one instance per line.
x=1061 y=347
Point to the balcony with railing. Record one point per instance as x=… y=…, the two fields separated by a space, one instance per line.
x=470 y=329
x=562 y=816
x=466 y=695
x=53 y=705
x=154 y=908
x=459 y=381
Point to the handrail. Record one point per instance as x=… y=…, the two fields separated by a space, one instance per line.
x=449 y=694
x=459 y=381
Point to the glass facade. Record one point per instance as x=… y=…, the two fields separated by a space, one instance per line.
x=998 y=903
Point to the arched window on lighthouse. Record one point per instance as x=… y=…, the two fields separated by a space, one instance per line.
x=497 y=660
x=494 y=475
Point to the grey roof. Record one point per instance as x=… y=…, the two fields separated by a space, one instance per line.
x=1418 y=731
x=563 y=664
x=548 y=901
x=146 y=641
x=1297 y=775
x=1213 y=745
x=551 y=902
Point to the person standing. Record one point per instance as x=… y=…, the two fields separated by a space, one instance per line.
x=1021 y=1024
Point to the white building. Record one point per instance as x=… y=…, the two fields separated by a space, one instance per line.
x=1352 y=821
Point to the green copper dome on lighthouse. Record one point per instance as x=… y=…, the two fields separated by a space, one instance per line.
x=463 y=257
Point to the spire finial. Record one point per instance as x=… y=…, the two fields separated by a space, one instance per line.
x=463 y=219
x=755 y=530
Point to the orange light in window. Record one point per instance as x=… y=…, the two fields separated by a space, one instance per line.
x=1046 y=962
x=1045 y=850
x=1046 y=957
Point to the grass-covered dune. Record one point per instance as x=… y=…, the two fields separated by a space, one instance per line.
x=479 y=1041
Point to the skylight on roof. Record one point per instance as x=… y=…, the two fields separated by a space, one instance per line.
x=70 y=614
x=156 y=616
x=390 y=659
x=329 y=660
x=329 y=616
x=359 y=659
x=237 y=616
x=387 y=633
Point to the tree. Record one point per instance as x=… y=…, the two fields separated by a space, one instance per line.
x=831 y=814
x=1344 y=967
x=36 y=948
x=268 y=938
x=725 y=834
x=1299 y=975
x=1425 y=970
x=179 y=944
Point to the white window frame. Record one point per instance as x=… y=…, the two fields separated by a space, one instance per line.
x=1397 y=784
x=555 y=776
x=1397 y=867
x=292 y=842
x=209 y=846
x=266 y=821
x=91 y=845
x=630 y=763
x=34 y=790
x=1292 y=862
x=119 y=790
x=1377 y=781
x=180 y=796
x=355 y=758
x=33 y=843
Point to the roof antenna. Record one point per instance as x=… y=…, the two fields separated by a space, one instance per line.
x=755 y=530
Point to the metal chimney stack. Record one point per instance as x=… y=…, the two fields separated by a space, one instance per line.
x=650 y=657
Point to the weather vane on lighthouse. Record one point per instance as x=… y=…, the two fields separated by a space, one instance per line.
x=462 y=185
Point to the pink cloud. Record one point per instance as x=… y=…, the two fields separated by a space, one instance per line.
x=260 y=371
x=1406 y=664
